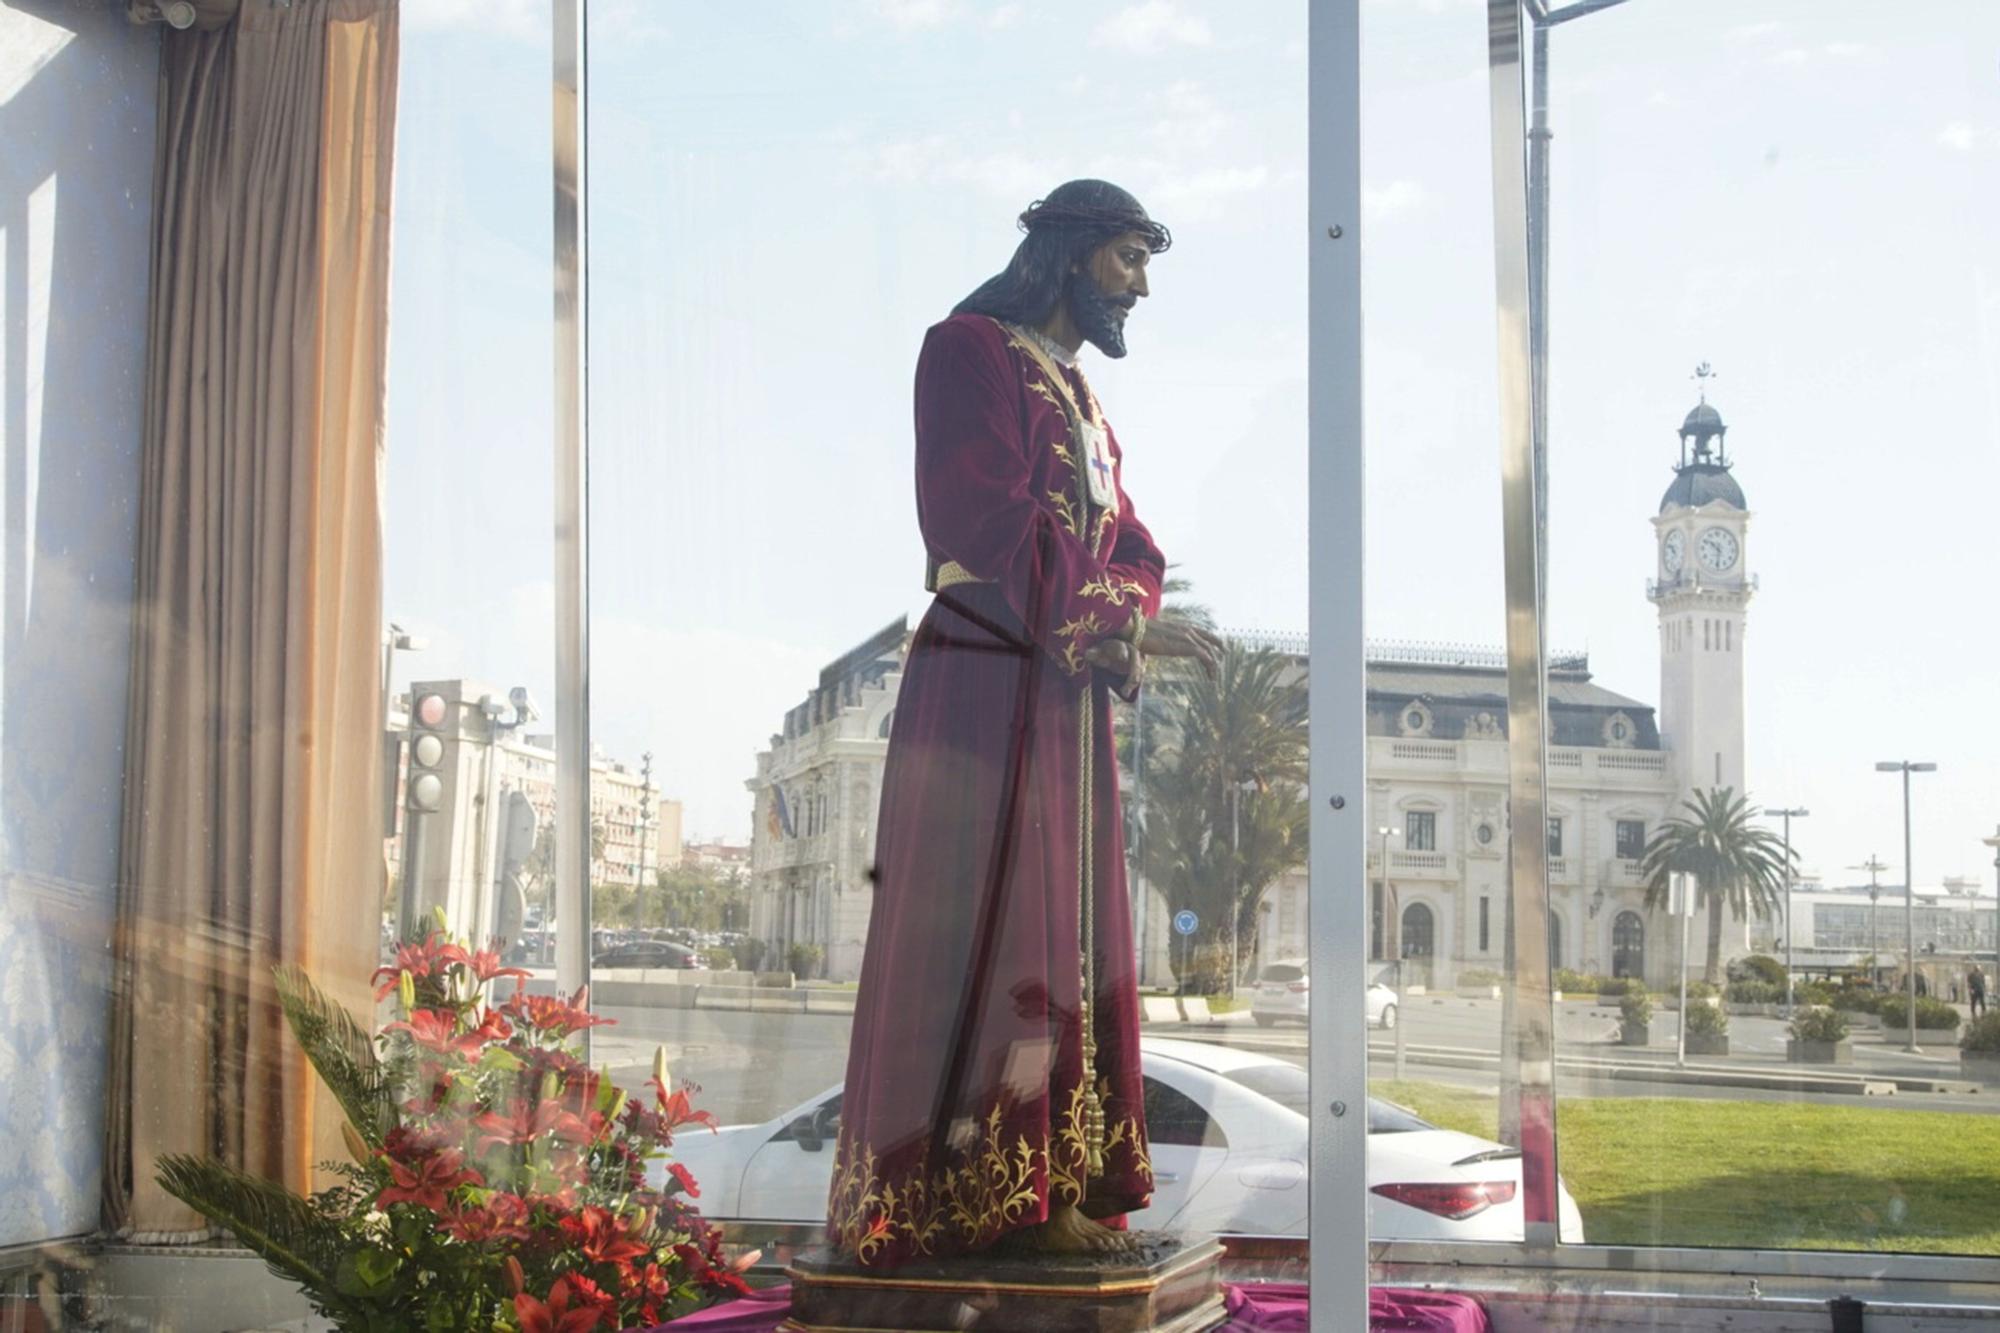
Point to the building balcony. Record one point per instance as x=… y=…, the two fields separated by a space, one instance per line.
x=1406 y=865
x=1621 y=872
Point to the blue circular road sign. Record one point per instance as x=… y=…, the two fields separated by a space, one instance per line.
x=1185 y=921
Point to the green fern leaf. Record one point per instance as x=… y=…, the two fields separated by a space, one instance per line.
x=297 y=1242
x=342 y=1051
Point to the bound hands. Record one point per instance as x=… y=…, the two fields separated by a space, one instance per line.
x=1161 y=638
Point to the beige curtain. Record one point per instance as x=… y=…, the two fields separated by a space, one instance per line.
x=252 y=829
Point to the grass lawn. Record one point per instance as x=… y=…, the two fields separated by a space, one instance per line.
x=1762 y=1175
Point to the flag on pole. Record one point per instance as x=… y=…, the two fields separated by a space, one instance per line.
x=781 y=814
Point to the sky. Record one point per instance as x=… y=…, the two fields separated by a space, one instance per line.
x=783 y=197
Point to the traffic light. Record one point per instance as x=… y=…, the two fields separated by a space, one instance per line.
x=424 y=791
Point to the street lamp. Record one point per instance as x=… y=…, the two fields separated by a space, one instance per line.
x=1906 y=767
x=1392 y=934
x=1788 y=816
x=1994 y=843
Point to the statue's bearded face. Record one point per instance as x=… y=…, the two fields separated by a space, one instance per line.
x=1103 y=290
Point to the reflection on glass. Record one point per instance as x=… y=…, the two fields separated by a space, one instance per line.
x=1745 y=905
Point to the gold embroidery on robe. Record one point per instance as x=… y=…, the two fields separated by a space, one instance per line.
x=989 y=1192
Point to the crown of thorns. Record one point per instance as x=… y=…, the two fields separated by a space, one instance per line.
x=1103 y=219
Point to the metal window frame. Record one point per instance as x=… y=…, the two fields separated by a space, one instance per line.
x=571 y=494
x=1337 y=1044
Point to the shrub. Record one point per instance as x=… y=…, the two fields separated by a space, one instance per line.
x=1815 y=992
x=1571 y=982
x=1982 y=1034
x=1702 y=990
x=1933 y=1015
x=1479 y=976
x=1856 y=1000
x=1755 y=992
x=1758 y=967
x=1818 y=1024
x=804 y=959
x=1706 y=1017
x=750 y=953
x=720 y=957
x=1636 y=1009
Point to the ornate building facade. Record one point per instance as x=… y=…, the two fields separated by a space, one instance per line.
x=1437 y=871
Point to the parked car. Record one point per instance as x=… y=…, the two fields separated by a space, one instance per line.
x=649 y=953
x=1283 y=989
x=1228 y=1135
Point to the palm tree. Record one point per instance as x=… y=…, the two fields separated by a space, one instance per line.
x=1733 y=861
x=1225 y=811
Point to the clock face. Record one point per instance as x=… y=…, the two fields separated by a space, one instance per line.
x=1673 y=554
x=1718 y=550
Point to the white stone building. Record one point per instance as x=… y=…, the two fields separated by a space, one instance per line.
x=1437 y=778
x=817 y=789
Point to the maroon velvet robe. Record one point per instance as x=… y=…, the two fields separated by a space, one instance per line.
x=963 y=1116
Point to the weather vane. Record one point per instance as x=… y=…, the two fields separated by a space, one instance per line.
x=1703 y=373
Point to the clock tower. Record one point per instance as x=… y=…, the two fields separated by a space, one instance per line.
x=1702 y=588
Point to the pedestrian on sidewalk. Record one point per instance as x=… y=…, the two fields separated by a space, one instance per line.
x=1975 y=989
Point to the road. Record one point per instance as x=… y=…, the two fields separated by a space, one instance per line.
x=753 y=1065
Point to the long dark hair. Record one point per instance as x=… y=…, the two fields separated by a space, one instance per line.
x=1062 y=230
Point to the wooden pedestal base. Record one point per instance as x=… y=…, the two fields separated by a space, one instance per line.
x=1169 y=1286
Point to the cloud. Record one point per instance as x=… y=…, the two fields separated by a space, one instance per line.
x=1152 y=26
x=1964 y=137
x=1379 y=203
x=1003 y=16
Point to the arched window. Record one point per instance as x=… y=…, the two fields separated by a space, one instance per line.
x=1419 y=932
x=1628 y=945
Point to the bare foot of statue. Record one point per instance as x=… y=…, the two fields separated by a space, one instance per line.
x=1068 y=1231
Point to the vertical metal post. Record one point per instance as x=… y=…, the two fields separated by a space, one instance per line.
x=1909 y=921
x=1528 y=1052
x=571 y=495
x=1788 y=914
x=1338 y=938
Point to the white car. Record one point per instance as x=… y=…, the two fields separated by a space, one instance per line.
x=1228 y=1132
x=1283 y=990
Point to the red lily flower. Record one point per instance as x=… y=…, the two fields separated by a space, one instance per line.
x=604 y=1237
x=421 y=961
x=552 y=1015
x=650 y=1286
x=505 y=1217
x=676 y=1108
x=554 y=1315
x=426 y=1183
x=686 y=1178
x=485 y=966
x=524 y=1123
x=437 y=1030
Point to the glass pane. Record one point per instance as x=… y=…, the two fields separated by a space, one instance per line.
x=1771 y=442
x=1439 y=832
x=780 y=212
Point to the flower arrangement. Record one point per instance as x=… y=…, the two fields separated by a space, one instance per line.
x=497 y=1182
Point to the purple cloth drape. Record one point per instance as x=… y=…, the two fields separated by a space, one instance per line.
x=1277 y=1307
